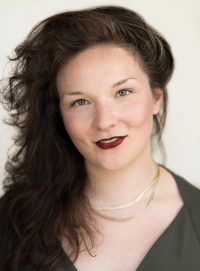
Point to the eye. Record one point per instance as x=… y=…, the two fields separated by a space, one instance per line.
x=124 y=92
x=79 y=102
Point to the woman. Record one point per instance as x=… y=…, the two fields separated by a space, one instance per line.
x=83 y=191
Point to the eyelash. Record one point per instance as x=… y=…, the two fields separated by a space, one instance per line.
x=74 y=104
x=125 y=90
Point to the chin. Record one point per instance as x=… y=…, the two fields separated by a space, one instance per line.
x=114 y=165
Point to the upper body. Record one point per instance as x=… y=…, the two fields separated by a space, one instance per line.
x=88 y=94
x=131 y=246
x=123 y=245
x=167 y=242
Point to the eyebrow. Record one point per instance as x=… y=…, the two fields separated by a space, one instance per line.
x=122 y=81
x=114 y=85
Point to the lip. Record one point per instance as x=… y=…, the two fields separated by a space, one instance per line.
x=117 y=142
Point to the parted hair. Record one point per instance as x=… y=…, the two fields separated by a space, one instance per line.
x=46 y=174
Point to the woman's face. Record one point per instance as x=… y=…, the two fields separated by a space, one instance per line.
x=107 y=106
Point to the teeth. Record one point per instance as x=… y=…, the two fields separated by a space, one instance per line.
x=109 y=140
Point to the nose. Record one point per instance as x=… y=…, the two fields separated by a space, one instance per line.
x=105 y=116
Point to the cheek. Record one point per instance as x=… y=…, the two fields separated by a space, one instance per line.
x=74 y=125
x=70 y=126
x=140 y=113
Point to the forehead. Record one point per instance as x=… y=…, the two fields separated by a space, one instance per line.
x=103 y=64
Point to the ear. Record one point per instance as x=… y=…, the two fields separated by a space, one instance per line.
x=157 y=100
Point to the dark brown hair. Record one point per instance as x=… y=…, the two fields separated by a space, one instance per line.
x=46 y=174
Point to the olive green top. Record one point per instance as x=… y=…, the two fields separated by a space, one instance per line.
x=178 y=247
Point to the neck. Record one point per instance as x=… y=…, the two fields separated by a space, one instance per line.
x=106 y=187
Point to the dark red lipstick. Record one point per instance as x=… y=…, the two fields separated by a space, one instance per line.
x=110 y=142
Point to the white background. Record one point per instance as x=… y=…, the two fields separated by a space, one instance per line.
x=177 y=20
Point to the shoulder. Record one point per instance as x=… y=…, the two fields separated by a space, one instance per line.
x=3 y=215
x=6 y=233
x=4 y=229
x=189 y=192
x=191 y=198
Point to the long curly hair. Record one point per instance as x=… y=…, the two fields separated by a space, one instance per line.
x=46 y=174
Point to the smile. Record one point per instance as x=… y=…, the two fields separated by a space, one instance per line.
x=111 y=142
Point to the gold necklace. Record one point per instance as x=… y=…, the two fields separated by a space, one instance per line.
x=122 y=219
x=130 y=203
x=133 y=201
